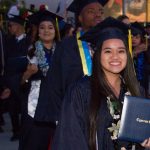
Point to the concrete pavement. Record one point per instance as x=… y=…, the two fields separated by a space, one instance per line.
x=5 y=143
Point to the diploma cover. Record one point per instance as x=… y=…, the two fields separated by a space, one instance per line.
x=135 y=120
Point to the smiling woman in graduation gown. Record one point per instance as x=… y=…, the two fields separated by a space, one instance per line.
x=72 y=130
x=92 y=107
x=39 y=110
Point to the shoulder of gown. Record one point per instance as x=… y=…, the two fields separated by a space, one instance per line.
x=71 y=132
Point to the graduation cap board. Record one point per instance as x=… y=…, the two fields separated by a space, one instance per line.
x=43 y=15
x=14 y=15
x=77 y=5
x=17 y=19
x=137 y=28
x=108 y=29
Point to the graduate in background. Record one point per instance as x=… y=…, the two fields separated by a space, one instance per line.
x=16 y=49
x=38 y=114
x=91 y=111
x=75 y=60
x=139 y=52
x=67 y=30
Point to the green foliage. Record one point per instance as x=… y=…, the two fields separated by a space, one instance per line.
x=5 y=5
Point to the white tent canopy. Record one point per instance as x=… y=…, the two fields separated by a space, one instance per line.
x=52 y=4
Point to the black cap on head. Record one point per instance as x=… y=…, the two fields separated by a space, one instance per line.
x=17 y=19
x=43 y=15
x=33 y=19
x=77 y=5
x=109 y=28
x=137 y=28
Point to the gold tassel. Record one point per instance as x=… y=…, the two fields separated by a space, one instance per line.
x=130 y=42
x=57 y=28
x=130 y=47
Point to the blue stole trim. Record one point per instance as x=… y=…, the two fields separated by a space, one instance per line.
x=85 y=55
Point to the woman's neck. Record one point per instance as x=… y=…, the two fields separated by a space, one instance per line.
x=48 y=45
x=115 y=84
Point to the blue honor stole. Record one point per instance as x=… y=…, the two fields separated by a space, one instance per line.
x=85 y=55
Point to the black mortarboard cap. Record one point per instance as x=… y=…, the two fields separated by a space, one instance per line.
x=43 y=15
x=137 y=28
x=108 y=29
x=17 y=19
x=77 y=5
x=33 y=19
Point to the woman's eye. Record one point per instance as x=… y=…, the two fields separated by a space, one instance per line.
x=41 y=27
x=107 y=51
x=122 y=51
x=50 y=28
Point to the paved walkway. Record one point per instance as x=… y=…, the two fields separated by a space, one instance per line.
x=5 y=143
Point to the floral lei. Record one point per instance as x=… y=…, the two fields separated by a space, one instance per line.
x=112 y=106
x=41 y=57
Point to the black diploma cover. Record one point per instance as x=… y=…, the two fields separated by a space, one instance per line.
x=135 y=120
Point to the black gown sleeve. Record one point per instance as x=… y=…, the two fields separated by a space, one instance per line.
x=71 y=132
x=71 y=66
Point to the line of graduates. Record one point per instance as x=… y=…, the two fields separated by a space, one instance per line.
x=65 y=86
x=14 y=45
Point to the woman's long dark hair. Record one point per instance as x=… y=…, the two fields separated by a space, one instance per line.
x=101 y=89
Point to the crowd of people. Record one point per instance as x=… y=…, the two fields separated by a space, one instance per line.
x=63 y=81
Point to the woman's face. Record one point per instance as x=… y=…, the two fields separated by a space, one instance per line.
x=46 y=31
x=113 y=56
x=136 y=40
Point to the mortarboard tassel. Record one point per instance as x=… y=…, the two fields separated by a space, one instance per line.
x=130 y=46
x=57 y=28
x=130 y=41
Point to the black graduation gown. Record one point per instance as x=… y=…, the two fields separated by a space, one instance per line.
x=2 y=50
x=71 y=66
x=47 y=109
x=15 y=49
x=71 y=133
x=68 y=69
x=2 y=58
x=37 y=131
